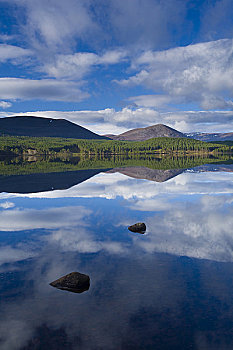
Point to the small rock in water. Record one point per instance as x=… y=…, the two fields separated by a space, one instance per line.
x=139 y=227
x=73 y=282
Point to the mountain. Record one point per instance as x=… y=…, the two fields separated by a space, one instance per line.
x=211 y=136
x=142 y=134
x=161 y=130
x=44 y=127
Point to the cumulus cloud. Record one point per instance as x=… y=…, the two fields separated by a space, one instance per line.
x=199 y=73
x=111 y=121
x=68 y=41
x=47 y=89
x=4 y=104
x=102 y=121
x=7 y=205
x=78 y=64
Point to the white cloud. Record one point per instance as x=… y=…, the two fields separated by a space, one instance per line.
x=7 y=205
x=110 y=121
x=47 y=89
x=148 y=101
x=55 y=24
x=102 y=121
x=10 y=52
x=58 y=25
x=77 y=65
x=199 y=73
x=205 y=121
x=4 y=104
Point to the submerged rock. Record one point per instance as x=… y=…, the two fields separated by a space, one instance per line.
x=73 y=282
x=139 y=227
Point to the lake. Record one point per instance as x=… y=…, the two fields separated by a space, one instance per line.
x=168 y=288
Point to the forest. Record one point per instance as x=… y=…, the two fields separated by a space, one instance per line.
x=18 y=145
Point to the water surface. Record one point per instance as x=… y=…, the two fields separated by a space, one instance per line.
x=170 y=288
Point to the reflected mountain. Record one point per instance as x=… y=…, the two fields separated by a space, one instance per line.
x=34 y=183
x=147 y=173
x=158 y=175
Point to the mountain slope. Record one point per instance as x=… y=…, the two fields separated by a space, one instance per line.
x=143 y=134
x=44 y=127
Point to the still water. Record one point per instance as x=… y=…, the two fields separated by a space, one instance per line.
x=170 y=288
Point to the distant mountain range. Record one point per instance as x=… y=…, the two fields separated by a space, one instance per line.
x=228 y=136
x=49 y=127
x=44 y=127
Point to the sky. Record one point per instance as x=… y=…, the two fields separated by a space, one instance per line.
x=113 y=65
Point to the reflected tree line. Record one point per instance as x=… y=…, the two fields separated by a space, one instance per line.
x=47 y=164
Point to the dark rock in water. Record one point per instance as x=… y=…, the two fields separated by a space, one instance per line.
x=73 y=282
x=139 y=227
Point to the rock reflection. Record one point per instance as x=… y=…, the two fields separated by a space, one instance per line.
x=139 y=227
x=75 y=282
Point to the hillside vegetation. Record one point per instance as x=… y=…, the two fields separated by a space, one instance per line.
x=41 y=145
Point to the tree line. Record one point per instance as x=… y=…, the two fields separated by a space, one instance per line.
x=49 y=145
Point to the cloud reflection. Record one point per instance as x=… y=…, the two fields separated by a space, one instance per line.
x=51 y=218
x=111 y=186
x=190 y=215
x=137 y=292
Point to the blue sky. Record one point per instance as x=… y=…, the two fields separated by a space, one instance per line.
x=112 y=65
